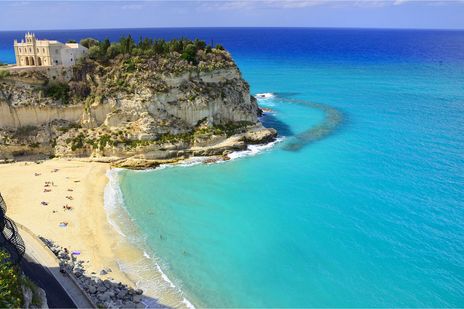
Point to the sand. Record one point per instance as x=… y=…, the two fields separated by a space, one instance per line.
x=88 y=230
x=22 y=185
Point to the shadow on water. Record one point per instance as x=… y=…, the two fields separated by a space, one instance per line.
x=271 y=121
x=333 y=118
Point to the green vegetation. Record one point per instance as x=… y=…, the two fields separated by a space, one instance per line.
x=77 y=142
x=88 y=42
x=2 y=64
x=121 y=138
x=10 y=283
x=233 y=127
x=80 y=141
x=4 y=73
x=58 y=91
x=71 y=41
x=25 y=131
x=171 y=138
x=103 y=51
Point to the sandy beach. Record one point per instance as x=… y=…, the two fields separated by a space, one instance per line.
x=58 y=183
x=35 y=195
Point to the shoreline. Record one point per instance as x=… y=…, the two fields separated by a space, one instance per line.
x=91 y=227
x=145 y=257
x=86 y=230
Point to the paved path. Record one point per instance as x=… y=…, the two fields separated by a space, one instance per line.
x=61 y=288
x=56 y=295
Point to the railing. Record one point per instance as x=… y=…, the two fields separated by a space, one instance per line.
x=10 y=240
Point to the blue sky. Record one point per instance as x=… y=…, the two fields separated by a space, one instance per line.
x=36 y=15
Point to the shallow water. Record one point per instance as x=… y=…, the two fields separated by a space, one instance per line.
x=366 y=213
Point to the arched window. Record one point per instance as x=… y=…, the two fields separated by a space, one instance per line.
x=43 y=50
x=39 y=61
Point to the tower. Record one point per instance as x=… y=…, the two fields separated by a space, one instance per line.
x=30 y=39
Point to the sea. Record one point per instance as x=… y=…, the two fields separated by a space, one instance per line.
x=360 y=202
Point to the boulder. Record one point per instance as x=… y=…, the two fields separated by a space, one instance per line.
x=121 y=294
x=260 y=136
x=137 y=298
x=101 y=288
x=92 y=289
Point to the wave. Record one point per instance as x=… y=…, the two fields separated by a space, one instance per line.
x=265 y=95
x=253 y=150
x=113 y=199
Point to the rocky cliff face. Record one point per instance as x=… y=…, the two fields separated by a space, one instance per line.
x=147 y=108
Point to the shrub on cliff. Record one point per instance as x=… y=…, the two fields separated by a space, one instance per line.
x=58 y=91
x=10 y=283
x=4 y=74
x=189 y=54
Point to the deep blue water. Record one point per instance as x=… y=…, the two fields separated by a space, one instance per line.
x=369 y=216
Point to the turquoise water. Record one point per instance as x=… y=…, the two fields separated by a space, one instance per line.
x=371 y=215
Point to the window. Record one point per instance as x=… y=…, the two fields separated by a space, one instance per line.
x=20 y=49
x=30 y=50
x=71 y=60
x=43 y=50
x=56 y=51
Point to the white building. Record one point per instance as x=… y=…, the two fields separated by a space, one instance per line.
x=33 y=52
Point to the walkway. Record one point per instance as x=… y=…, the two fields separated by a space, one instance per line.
x=42 y=267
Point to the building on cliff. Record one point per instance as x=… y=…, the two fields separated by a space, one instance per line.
x=32 y=52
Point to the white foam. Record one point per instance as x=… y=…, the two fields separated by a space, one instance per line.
x=164 y=276
x=265 y=95
x=253 y=150
x=114 y=204
x=113 y=198
x=187 y=303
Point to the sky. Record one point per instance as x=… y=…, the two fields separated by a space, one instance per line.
x=45 y=15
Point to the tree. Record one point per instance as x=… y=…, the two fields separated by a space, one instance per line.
x=71 y=41
x=199 y=44
x=113 y=50
x=176 y=46
x=127 y=43
x=104 y=45
x=94 y=52
x=89 y=42
x=159 y=47
x=190 y=53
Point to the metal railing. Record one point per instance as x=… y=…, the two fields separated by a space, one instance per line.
x=10 y=240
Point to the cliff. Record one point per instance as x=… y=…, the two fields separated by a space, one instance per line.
x=131 y=109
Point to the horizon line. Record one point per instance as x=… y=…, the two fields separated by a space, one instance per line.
x=240 y=27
